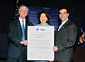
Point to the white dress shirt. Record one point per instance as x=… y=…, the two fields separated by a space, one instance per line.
x=62 y=24
x=21 y=21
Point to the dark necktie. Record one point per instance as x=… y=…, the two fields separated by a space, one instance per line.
x=23 y=31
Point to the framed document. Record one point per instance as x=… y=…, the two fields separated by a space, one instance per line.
x=40 y=43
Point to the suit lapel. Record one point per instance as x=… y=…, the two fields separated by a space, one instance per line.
x=26 y=24
x=64 y=26
x=19 y=27
x=18 y=24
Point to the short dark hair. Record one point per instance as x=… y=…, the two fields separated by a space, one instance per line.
x=46 y=13
x=63 y=8
x=60 y=8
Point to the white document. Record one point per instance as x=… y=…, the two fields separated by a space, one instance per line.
x=40 y=43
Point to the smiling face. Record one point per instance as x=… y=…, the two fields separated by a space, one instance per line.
x=43 y=18
x=63 y=14
x=23 y=11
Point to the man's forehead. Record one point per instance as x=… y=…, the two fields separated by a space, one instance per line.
x=23 y=7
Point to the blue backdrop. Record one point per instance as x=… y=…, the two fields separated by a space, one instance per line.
x=33 y=12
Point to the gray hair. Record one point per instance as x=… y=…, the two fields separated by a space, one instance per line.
x=23 y=5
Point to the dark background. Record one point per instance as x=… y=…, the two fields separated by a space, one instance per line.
x=8 y=8
x=7 y=13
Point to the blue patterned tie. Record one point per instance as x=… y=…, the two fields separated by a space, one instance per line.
x=23 y=31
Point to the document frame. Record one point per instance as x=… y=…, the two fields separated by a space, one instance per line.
x=40 y=43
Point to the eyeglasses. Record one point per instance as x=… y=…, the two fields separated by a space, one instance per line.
x=24 y=10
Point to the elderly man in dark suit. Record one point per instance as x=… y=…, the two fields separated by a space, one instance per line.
x=17 y=35
x=65 y=38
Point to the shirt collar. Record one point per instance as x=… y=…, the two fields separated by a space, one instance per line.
x=65 y=21
x=21 y=19
x=45 y=24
